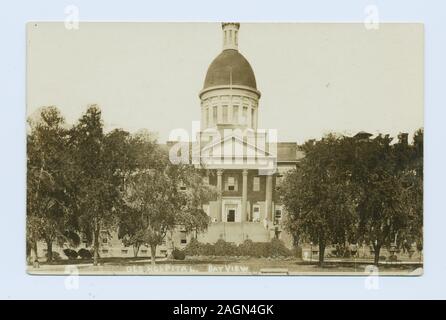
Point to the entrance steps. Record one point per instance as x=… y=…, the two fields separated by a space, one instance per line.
x=235 y=232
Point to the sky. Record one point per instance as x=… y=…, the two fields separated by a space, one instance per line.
x=314 y=78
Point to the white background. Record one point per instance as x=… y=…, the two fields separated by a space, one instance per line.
x=15 y=283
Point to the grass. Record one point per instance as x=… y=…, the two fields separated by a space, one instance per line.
x=227 y=265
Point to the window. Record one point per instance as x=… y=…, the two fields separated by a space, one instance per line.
x=245 y=115
x=231 y=184
x=256 y=184
x=225 y=114
x=143 y=251
x=124 y=251
x=183 y=239
x=214 y=115
x=278 y=214
x=235 y=114
x=252 y=118
x=104 y=250
x=206 y=180
x=206 y=116
x=183 y=187
x=256 y=213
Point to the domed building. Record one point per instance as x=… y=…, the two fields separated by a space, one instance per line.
x=243 y=161
x=229 y=96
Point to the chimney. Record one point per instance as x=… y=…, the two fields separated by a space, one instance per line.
x=403 y=138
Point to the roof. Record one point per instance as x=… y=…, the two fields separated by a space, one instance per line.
x=230 y=67
x=288 y=152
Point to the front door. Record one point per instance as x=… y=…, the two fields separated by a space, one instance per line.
x=231 y=213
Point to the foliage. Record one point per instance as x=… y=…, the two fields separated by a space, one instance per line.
x=274 y=248
x=178 y=254
x=390 y=191
x=142 y=154
x=319 y=199
x=349 y=190
x=156 y=204
x=84 y=253
x=55 y=255
x=70 y=253
x=99 y=174
x=223 y=248
x=49 y=214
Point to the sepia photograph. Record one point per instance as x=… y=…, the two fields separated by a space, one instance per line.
x=232 y=148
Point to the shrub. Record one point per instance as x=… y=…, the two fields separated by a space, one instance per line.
x=207 y=249
x=223 y=248
x=392 y=258
x=278 y=248
x=84 y=254
x=178 y=254
x=55 y=254
x=70 y=253
x=248 y=248
x=194 y=248
x=297 y=252
x=257 y=249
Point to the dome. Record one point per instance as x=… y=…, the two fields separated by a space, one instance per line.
x=230 y=64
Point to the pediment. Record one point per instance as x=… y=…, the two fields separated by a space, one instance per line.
x=236 y=146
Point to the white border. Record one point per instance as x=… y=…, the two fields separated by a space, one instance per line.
x=15 y=283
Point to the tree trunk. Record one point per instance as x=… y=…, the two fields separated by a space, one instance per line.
x=35 y=256
x=321 y=253
x=377 y=248
x=49 y=251
x=96 y=246
x=153 y=253
x=136 y=250
x=29 y=253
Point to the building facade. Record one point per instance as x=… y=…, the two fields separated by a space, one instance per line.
x=244 y=161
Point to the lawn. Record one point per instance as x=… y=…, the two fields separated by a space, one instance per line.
x=223 y=266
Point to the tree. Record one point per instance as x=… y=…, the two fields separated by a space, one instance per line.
x=318 y=197
x=382 y=176
x=416 y=196
x=412 y=176
x=48 y=213
x=141 y=153
x=99 y=176
x=158 y=204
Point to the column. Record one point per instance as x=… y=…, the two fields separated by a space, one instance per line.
x=269 y=197
x=219 y=188
x=249 y=117
x=244 y=195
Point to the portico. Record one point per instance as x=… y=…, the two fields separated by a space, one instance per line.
x=243 y=194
